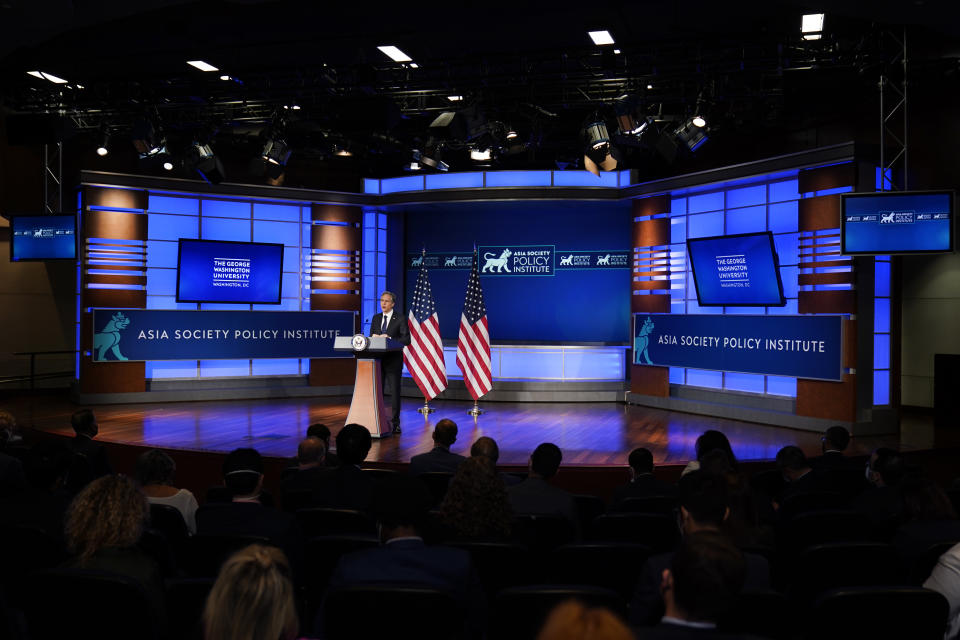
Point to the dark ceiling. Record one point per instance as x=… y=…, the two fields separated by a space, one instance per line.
x=529 y=66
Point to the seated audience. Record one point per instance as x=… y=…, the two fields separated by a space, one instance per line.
x=12 y=441
x=833 y=443
x=535 y=495
x=311 y=455
x=797 y=473
x=347 y=487
x=12 y=479
x=155 y=471
x=475 y=505
x=708 y=441
x=751 y=514
x=44 y=501
x=642 y=483
x=929 y=518
x=253 y=598
x=89 y=457
x=440 y=458
x=103 y=525
x=573 y=620
x=945 y=580
x=486 y=447
x=703 y=507
x=882 y=501
x=703 y=581
x=320 y=430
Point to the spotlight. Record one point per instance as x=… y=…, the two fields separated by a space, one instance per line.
x=600 y=37
x=204 y=161
x=276 y=151
x=168 y=165
x=434 y=159
x=630 y=126
x=146 y=139
x=225 y=78
x=811 y=26
x=691 y=134
x=43 y=75
x=511 y=135
x=104 y=147
x=457 y=98
x=598 y=152
x=485 y=155
x=394 y=53
x=698 y=121
x=203 y=66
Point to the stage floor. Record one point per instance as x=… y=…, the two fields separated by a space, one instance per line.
x=589 y=434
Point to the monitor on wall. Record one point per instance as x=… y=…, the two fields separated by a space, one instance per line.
x=897 y=222
x=736 y=271
x=51 y=237
x=229 y=272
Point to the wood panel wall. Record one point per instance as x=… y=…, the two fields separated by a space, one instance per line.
x=651 y=258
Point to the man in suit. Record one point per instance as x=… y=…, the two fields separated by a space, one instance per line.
x=882 y=501
x=799 y=476
x=391 y=324
x=642 y=484
x=89 y=457
x=322 y=431
x=535 y=495
x=440 y=458
x=347 y=486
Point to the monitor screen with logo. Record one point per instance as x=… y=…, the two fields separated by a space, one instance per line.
x=43 y=238
x=897 y=222
x=736 y=271
x=235 y=272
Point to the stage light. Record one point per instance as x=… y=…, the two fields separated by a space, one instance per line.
x=649 y=86
x=104 y=147
x=698 y=121
x=43 y=75
x=202 y=159
x=344 y=153
x=146 y=140
x=276 y=151
x=600 y=37
x=225 y=78
x=598 y=153
x=511 y=135
x=811 y=26
x=477 y=155
x=630 y=126
x=413 y=65
x=616 y=51
x=394 y=53
x=201 y=65
x=691 y=135
x=168 y=165
x=434 y=159
x=454 y=98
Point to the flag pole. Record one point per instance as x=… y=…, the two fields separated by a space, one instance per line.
x=476 y=411
x=425 y=410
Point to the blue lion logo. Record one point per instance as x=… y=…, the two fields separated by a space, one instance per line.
x=642 y=341
x=109 y=337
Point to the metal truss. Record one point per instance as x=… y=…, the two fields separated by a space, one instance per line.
x=53 y=177
x=894 y=147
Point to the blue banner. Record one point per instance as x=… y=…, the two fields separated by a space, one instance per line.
x=798 y=346
x=152 y=334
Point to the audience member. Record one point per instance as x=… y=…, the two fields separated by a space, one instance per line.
x=155 y=472
x=320 y=430
x=476 y=505
x=708 y=441
x=929 y=518
x=440 y=458
x=945 y=580
x=832 y=445
x=642 y=483
x=486 y=447
x=797 y=473
x=573 y=620
x=12 y=442
x=253 y=598
x=535 y=495
x=44 y=501
x=12 y=480
x=702 y=583
x=90 y=457
x=882 y=501
x=347 y=487
x=751 y=514
x=103 y=525
x=298 y=483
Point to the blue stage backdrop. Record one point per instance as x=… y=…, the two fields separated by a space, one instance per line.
x=551 y=271
x=800 y=346
x=891 y=222
x=151 y=334
x=43 y=238
x=222 y=271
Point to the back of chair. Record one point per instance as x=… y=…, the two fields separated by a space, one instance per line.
x=845 y=564
x=437 y=483
x=657 y=531
x=499 y=564
x=611 y=565
x=203 y=554
x=812 y=501
x=326 y=521
x=169 y=521
x=821 y=527
x=323 y=553
x=78 y=603
x=391 y=611
x=766 y=614
x=186 y=598
x=35 y=549
x=519 y=612
x=648 y=504
x=541 y=532
x=880 y=612
x=588 y=508
x=923 y=566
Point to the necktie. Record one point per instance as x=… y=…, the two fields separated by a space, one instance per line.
x=383 y=327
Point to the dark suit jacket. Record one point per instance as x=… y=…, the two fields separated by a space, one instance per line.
x=397 y=330
x=253 y=519
x=536 y=496
x=345 y=487
x=883 y=505
x=643 y=486
x=437 y=459
x=670 y=631
x=12 y=480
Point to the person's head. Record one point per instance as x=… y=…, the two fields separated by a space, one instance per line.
x=716 y=461
x=319 y=430
x=476 y=503
x=703 y=501
x=8 y=427
x=155 y=467
x=713 y=439
x=545 y=460
x=108 y=513
x=353 y=444
x=885 y=468
x=705 y=576
x=792 y=463
x=640 y=461
x=243 y=472
x=573 y=620
x=836 y=438
x=46 y=465
x=310 y=452
x=84 y=423
x=253 y=598
x=485 y=447
x=400 y=505
x=924 y=500
x=445 y=433
x=388 y=300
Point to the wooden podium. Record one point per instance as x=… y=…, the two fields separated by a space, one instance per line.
x=366 y=407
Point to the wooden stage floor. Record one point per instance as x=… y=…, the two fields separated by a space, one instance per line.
x=590 y=434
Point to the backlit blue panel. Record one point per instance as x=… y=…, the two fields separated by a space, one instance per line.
x=164 y=227
x=279 y=367
x=162 y=253
x=694 y=307
x=381 y=221
x=290 y=301
x=287 y=212
x=783 y=217
x=881 y=285
x=701 y=378
x=746 y=196
x=291 y=262
x=224 y=368
x=881 y=387
x=454 y=180
x=518 y=178
x=744 y=311
x=161 y=282
x=381 y=239
x=747 y=220
x=226 y=208
x=881 y=351
x=678 y=206
x=369 y=238
x=594 y=364
x=705 y=202
x=830 y=192
x=749 y=382
x=156 y=369
x=527 y=364
x=222 y=306
x=782 y=386
x=786 y=190
x=881 y=315
x=306 y=234
x=168 y=302
x=678 y=230
x=789 y=309
x=406 y=183
x=371 y=186
x=624 y=178
x=584 y=179
x=677 y=375
x=290 y=285
x=166 y=204
x=704 y=225
x=287 y=233
x=788 y=275
x=788 y=248
x=225 y=229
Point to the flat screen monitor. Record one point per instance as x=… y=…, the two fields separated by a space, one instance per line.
x=235 y=272
x=736 y=271
x=897 y=222
x=43 y=237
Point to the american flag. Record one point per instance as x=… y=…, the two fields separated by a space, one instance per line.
x=424 y=355
x=473 y=344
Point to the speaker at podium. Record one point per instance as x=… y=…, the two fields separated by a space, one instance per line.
x=367 y=407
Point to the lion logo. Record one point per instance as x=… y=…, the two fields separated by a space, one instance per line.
x=417 y=262
x=604 y=261
x=642 y=342
x=887 y=219
x=450 y=262
x=567 y=262
x=496 y=265
x=109 y=338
